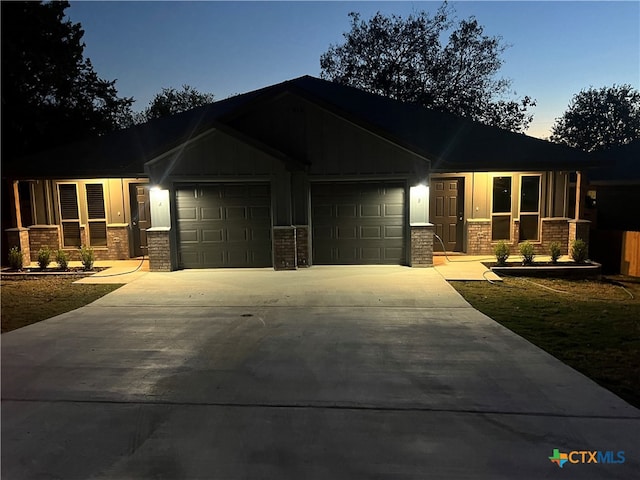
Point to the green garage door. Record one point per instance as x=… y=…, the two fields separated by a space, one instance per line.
x=224 y=225
x=358 y=223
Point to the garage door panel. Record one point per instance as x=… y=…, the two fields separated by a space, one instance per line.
x=358 y=223
x=224 y=225
x=394 y=210
x=210 y=213
x=371 y=210
x=374 y=232
x=345 y=233
x=212 y=236
x=188 y=213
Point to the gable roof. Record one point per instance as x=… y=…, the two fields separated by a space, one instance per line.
x=450 y=143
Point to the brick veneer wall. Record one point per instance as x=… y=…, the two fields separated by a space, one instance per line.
x=579 y=229
x=422 y=245
x=41 y=236
x=117 y=242
x=159 y=247
x=554 y=230
x=284 y=248
x=302 y=245
x=19 y=237
x=479 y=237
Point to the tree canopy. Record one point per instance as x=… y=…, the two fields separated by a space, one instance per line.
x=405 y=59
x=171 y=101
x=600 y=118
x=50 y=93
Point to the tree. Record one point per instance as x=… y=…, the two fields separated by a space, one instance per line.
x=50 y=93
x=404 y=59
x=600 y=118
x=171 y=101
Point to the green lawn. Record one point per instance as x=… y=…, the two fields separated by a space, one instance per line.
x=32 y=300
x=592 y=326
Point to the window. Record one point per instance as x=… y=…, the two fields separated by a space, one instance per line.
x=96 y=215
x=69 y=214
x=501 y=209
x=529 y=207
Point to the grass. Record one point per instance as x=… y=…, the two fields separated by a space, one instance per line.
x=593 y=326
x=28 y=301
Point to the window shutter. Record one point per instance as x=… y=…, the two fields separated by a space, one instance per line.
x=95 y=201
x=68 y=202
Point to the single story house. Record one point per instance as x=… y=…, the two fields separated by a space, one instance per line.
x=305 y=172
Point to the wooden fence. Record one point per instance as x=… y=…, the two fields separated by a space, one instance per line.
x=617 y=251
x=630 y=257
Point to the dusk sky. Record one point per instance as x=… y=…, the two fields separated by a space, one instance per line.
x=225 y=48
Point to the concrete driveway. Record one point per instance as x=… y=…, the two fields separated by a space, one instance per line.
x=330 y=372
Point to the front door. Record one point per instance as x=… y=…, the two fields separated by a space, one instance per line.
x=447 y=212
x=140 y=217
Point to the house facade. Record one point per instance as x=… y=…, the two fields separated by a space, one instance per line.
x=301 y=173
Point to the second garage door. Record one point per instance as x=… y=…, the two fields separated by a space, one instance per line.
x=358 y=223
x=224 y=225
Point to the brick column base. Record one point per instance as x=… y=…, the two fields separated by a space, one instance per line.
x=422 y=245
x=302 y=246
x=19 y=237
x=579 y=229
x=284 y=248
x=41 y=236
x=159 y=245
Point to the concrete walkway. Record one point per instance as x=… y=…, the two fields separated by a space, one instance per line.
x=330 y=372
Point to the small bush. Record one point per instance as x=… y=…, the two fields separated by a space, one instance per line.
x=44 y=257
x=501 y=251
x=579 y=251
x=528 y=253
x=555 y=250
x=62 y=259
x=15 y=259
x=87 y=257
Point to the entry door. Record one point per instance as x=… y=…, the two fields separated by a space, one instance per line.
x=447 y=212
x=140 y=217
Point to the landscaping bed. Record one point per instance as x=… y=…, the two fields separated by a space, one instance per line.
x=548 y=269
x=591 y=325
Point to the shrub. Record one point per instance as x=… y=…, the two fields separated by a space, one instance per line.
x=15 y=259
x=527 y=251
x=579 y=251
x=44 y=257
x=501 y=251
x=62 y=259
x=555 y=251
x=87 y=257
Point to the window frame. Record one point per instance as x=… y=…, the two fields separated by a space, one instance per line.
x=102 y=220
x=508 y=214
x=77 y=220
x=531 y=214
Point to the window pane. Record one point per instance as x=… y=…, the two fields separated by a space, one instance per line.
x=502 y=195
x=98 y=234
x=529 y=227
x=530 y=194
x=71 y=234
x=500 y=227
x=95 y=201
x=68 y=202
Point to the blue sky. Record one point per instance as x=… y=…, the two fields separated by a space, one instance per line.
x=556 y=48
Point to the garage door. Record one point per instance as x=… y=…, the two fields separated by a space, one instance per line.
x=224 y=225
x=358 y=223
